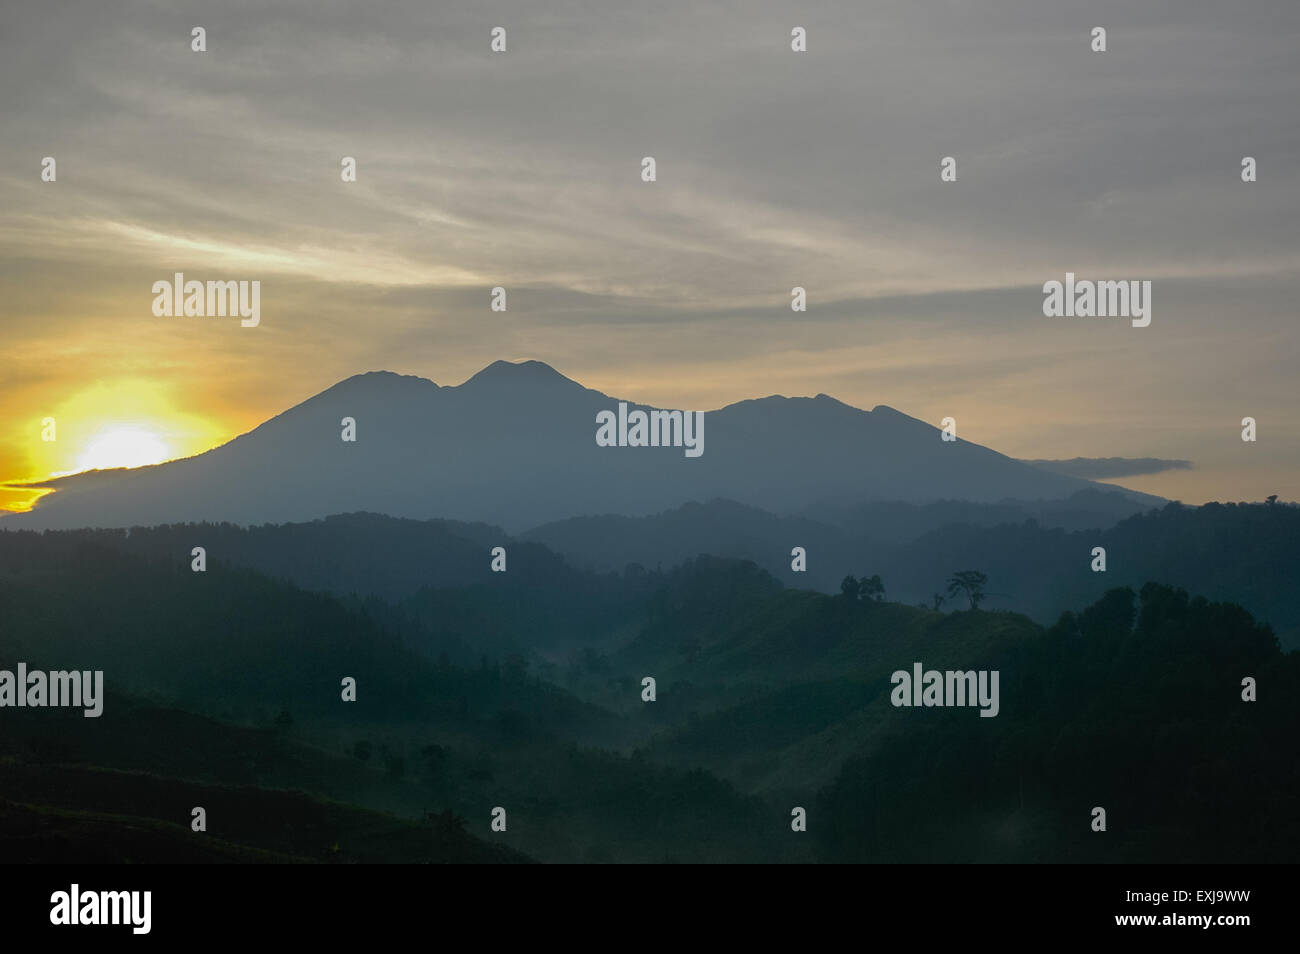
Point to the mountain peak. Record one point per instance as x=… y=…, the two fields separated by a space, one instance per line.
x=499 y=372
x=383 y=378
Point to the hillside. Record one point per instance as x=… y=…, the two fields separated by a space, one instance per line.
x=230 y=679
x=223 y=690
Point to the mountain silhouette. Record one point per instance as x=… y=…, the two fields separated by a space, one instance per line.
x=515 y=446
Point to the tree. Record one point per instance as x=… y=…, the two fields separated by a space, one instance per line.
x=937 y=601
x=969 y=582
x=850 y=587
x=1271 y=499
x=872 y=589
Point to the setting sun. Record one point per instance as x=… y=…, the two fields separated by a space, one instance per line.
x=122 y=447
x=112 y=422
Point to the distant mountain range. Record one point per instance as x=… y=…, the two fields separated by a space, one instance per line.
x=1038 y=562
x=515 y=446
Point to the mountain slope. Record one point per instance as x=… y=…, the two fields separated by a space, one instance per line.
x=515 y=446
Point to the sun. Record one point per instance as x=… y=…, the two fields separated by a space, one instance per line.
x=123 y=447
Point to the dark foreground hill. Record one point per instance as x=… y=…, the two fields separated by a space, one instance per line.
x=181 y=649
x=122 y=788
x=1134 y=707
x=1139 y=705
x=224 y=692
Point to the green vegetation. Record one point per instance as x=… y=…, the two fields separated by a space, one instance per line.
x=223 y=690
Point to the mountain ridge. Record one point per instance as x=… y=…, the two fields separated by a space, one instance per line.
x=514 y=445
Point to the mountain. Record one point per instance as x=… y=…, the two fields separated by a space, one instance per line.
x=515 y=446
x=1243 y=553
x=589 y=577
x=837 y=540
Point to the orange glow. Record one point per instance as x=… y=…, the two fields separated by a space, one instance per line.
x=123 y=423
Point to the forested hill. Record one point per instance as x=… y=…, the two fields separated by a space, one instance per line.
x=1242 y=553
x=767 y=698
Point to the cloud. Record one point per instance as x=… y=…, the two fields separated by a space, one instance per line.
x=776 y=169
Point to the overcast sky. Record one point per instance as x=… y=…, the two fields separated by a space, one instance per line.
x=775 y=169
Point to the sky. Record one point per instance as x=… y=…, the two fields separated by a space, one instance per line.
x=522 y=169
